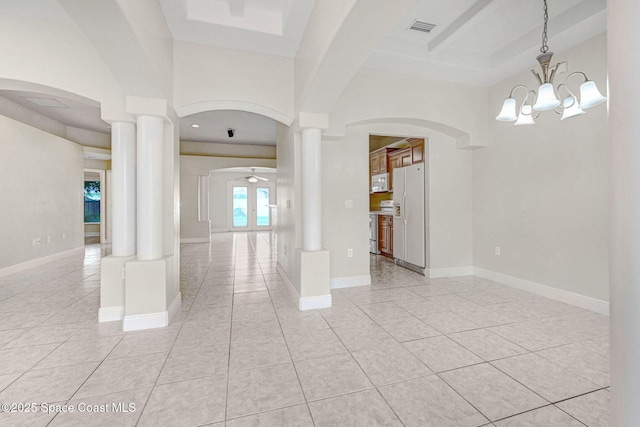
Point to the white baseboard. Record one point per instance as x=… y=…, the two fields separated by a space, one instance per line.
x=312 y=303
x=138 y=322
x=110 y=314
x=174 y=307
x=195 y=240
x=92 y=234
x=561 y=295
x=350 y=281
x=436 y=273
x=40 y=261
x=292 y=289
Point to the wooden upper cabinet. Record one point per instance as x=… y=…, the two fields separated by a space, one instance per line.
x=417 y=149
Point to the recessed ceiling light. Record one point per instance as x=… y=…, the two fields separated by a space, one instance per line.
x=195 y=126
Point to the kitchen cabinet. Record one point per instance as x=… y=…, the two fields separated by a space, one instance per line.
x=379 y=161
x=398 y=159
x=417 y=150
x=385 y=235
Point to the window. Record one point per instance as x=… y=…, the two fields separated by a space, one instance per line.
x=92 y=201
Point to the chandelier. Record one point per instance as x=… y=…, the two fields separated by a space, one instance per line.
x=545 y=99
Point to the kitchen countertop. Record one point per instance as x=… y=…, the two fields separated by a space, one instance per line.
x=381 y=213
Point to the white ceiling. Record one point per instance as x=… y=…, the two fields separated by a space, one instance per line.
x=474 y=41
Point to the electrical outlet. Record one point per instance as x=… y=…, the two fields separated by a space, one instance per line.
x=34 y=241
x=48 y=239
x=38 y=241
x=497 y=250
x=64 y=236
x=350 y=253
x=348 y=203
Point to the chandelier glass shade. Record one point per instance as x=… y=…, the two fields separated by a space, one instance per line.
x=547 y=97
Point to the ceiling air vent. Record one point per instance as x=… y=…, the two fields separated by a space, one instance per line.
x=425 y=27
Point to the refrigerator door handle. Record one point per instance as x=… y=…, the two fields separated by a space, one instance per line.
x=404 y=218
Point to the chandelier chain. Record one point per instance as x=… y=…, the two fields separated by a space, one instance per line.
x=544 y=47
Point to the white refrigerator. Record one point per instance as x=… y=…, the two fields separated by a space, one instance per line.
x=409 y=217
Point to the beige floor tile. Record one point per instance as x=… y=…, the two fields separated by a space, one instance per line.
x=441 y=353
x=581 y=361
x=331 y=376
x=251 y=330
x=186 y=403
x=262 y=389
x=492 y=392
x=122 y=374
x=430 y=402
x=74 y=352
x=548 y=416
x=407 y=328
x=45 y=335
x=544 y=377
x=448 y=322
x=134 y=344
x=185 y=363
x=19 y=360
x=294 y=416
x=486 y=344
x=364 y=336
x=389 y=364
x=247 y=354
x=592 y=409
x=48 y=385
x=314 y=344
x=365 y=408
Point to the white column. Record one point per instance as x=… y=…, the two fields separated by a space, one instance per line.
x=123 y=181
x=311 y=189
x=624 y=252
x=150 y=188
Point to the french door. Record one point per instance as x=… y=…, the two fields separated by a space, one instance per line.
x=248 y=206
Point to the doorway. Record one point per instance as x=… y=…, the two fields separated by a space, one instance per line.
x=249 y=205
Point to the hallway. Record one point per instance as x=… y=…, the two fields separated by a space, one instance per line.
x=406 y=351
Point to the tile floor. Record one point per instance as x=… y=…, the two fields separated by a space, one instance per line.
x=407 y=351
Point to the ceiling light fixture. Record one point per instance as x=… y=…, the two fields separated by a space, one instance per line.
x=195 y=125
x=546 y=98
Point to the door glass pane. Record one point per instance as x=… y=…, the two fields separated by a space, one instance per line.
x=262 y=207
x=240 y=207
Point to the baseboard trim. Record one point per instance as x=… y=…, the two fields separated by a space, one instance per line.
x=561 y=295
x=290 y=287
x=436 y=273
x=174 y=307
x=110 y=314
x=195 y=240
x=313 y=303
x=137 y=322
x=350 y=281
x=16 y=268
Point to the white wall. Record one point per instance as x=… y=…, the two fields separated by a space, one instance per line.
x=289 y=214
x=191 y=167
x=41 y=193
x=206 y=73
x=540 y=192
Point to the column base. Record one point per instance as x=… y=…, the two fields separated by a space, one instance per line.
x=112 y=288
x=146 y=295
x=314 y=279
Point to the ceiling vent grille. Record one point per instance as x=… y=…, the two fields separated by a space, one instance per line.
x=425 y=27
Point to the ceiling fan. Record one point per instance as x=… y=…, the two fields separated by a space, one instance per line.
x=253 y=177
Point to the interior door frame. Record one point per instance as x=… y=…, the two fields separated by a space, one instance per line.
x=251 y=204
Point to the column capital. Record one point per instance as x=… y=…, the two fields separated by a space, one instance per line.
x=144 y=106
x=313 y=120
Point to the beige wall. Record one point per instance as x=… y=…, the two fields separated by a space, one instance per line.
x=540 y=192
x=41 y=193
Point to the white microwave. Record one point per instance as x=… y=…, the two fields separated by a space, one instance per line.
x=380 y=183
